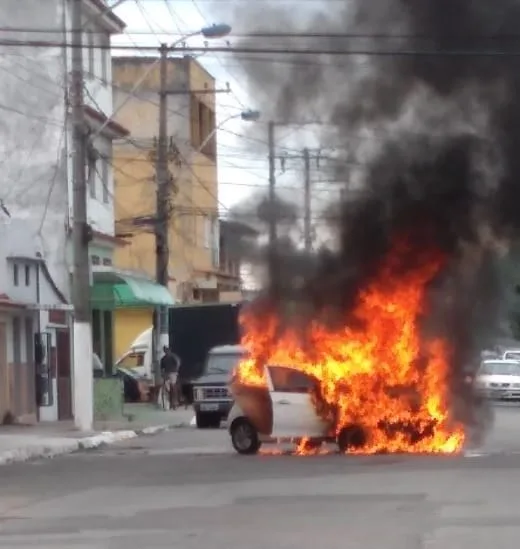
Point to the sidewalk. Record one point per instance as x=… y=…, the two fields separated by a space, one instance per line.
x=46 y=440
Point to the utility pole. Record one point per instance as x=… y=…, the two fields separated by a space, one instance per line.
x=83 y=389
x=163 y=178
x=307 y=202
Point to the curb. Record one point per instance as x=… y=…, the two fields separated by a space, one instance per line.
x=105 y=438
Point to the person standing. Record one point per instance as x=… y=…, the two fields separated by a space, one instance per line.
x=170 y=370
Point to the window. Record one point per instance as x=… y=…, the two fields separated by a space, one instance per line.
x=105 y=53
x=132 y=360
x=91 y=175
x=15 y=275
x=215 y=252
x=203 y=124
x=89 y=39
x=107 y=262
x=17 y=351
x=95 y=260
x=288 y=380
x=104 y=180
x=207 y=232
x=27 y=275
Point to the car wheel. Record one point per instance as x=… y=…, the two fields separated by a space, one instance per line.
x=351 y=437
x=244 y=437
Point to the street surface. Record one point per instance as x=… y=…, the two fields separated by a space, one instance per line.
x=187 y=489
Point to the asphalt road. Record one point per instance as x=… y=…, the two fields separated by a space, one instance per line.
x=187 y=489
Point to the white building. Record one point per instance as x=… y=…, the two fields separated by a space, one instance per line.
x=36 y=153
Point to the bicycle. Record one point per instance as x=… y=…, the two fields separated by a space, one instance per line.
x=168 y=394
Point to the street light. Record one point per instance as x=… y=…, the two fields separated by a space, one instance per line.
x=248 y=115
x=215 y=31
x=211 y=32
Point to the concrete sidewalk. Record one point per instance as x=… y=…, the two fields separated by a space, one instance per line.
x=46 y=440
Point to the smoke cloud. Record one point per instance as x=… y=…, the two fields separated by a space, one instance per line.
x=425 y=114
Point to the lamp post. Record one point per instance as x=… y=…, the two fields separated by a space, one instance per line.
x=164 y=182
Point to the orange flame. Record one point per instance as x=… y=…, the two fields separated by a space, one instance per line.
x=384 y=373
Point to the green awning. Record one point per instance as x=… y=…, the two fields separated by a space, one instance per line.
x=115 y=289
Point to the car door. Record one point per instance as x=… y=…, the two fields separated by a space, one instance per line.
x=294 y=414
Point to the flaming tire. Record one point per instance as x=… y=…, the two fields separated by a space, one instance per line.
x=244 y=437
x=350 y=437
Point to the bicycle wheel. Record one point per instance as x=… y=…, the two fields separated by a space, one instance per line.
x=165 y=396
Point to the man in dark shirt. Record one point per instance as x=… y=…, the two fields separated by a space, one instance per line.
x=169 y=370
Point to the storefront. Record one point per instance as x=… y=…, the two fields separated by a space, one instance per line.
x=123 y=303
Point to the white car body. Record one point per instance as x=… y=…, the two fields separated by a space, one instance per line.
x=294 y=416
x=499 y=379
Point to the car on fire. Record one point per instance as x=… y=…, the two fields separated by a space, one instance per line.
x=499 y=379
x=288 y=410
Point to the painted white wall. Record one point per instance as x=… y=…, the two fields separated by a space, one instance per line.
x=32 y=143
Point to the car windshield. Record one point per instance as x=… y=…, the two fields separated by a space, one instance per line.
x=512 y=355
x=132 y=360
x=500 y=369
x=222 y=363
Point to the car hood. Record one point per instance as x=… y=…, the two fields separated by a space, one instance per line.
x=212 y=379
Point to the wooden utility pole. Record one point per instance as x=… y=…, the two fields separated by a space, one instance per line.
x=83 y=406
x=164 y=183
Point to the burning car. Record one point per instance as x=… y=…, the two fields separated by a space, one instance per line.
x=290 y=409
x=372 y=382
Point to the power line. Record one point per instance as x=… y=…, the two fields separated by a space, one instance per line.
x=452 y=53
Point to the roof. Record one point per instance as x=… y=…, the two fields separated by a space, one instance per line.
x=110 y=125
x=101 y=7
x=44 y=270
x=227 y=350
x=114 y=289
x=6 y=301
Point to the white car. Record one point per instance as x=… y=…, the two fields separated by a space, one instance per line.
x=499 y=379
x=282 y=413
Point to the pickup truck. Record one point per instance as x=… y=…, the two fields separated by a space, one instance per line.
x=212 y=399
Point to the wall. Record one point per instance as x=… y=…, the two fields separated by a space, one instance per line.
x=129 y=323
x=19 y=398
x=32 y=140
x=135 y=169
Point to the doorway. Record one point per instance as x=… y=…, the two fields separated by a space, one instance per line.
x=63 y=374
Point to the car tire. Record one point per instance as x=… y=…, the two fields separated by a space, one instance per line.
x=244 y=437
x=351 y=437
x=207 y=421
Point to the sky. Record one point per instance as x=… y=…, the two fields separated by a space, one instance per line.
x=242 y=170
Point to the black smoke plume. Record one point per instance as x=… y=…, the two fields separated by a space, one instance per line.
x=422 y=99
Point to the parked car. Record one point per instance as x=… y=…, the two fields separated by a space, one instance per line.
x=511 y=354
x=499 y=379
x=212 y=399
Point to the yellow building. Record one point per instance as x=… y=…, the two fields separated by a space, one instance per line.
x=193 y=228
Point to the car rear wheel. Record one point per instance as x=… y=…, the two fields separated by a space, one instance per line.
x=351 y=437
x=207 y=421
x=244 y=437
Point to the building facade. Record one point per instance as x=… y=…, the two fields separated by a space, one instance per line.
x=37 y=198
x=193 y=227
